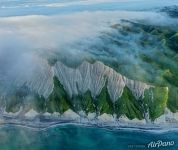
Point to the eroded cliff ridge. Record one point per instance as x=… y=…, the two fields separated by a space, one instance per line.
x=94 y=77
x=89 y=87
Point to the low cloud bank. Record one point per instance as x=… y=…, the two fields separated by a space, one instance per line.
x=69 y=37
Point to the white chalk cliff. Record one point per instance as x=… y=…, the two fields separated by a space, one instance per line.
x=87 y=76
x=93 y=77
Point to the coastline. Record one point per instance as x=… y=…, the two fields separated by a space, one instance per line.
x=40 y=122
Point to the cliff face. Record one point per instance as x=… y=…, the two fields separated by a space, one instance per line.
x=38 y=79
x=91 y=88
x=93 y=77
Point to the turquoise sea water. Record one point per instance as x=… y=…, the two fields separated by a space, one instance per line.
x=73 y=137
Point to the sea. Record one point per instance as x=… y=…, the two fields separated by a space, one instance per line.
x=79 y=137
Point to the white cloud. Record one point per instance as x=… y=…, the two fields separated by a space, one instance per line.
x=23 y=37
x=55 y=32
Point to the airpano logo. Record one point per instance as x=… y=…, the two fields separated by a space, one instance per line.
x=159 y=143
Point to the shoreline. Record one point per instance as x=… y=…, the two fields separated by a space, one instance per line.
x=40 y=124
